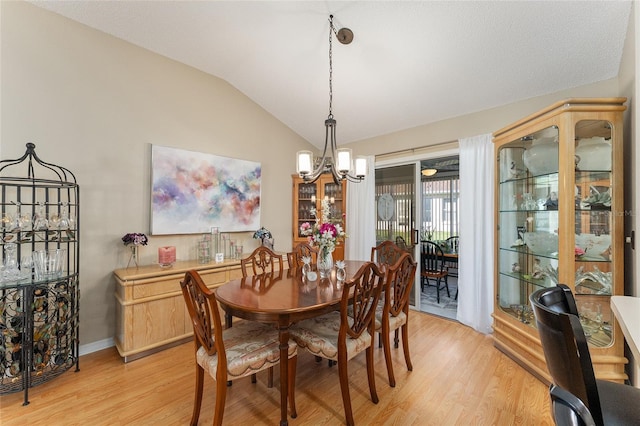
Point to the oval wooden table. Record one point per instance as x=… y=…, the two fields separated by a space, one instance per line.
x=282 y=300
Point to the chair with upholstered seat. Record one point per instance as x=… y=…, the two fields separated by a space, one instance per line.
x=569 y=363
x=433 y=267
x=393 y=315
x=232 y=353
x=386 y=253
x=261 y=261
x=339 y=337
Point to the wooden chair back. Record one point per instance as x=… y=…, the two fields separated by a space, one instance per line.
x=360 y=293
x=386 y=253
x=294 y=257
x=453 y=243
x=205 y=317
x=261 y=261
x=432 y=258
x=400 y=279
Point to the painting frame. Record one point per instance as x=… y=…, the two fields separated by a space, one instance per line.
x=191 y=192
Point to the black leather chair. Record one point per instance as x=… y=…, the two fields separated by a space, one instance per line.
x=569 y=363
x=568 y=410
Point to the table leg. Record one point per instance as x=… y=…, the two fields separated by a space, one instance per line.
x=283 y=331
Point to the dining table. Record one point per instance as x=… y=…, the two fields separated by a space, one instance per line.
x=283 y=299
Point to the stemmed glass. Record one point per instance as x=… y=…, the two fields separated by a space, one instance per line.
x=40 y=222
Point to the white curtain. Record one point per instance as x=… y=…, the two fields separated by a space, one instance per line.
x=475 y=281
x=361 y=221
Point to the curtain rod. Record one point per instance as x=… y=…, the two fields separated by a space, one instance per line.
x=414 y=150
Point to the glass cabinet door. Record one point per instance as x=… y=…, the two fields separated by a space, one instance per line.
x=593 y=224
x=527 y=220
x=307 y=194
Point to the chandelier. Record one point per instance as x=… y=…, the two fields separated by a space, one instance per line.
x=339 y=162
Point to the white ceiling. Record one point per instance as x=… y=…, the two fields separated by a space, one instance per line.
x=411 y=62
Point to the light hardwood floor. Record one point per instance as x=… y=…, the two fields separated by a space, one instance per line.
x=459 y=378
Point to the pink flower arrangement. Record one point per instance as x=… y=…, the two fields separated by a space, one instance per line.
x=325 y=233
x=579 y=251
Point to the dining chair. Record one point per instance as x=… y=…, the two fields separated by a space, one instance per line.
x=339 y=337
x=393 y=315
x=569 y=362
x=294 y=257
x=386 y=253
x=454 y=244
x=433 y=267
x=245 y=349
x=261 y=261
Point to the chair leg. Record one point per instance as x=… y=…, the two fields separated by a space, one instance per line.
x=292 y=364
x=344 y=388
x=254 y=378
x=438 y=290
x=371 y=374
x=198 y=399
x=221 y=396
x=396 y=339
x=387 y=357
x=405 y=345
x=446 y=285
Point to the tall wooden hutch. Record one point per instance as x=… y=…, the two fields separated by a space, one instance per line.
x=559 y=216
x=307 y=196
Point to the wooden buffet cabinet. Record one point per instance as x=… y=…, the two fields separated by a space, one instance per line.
x=304 y=201
x=151 y=313
x=559 y=216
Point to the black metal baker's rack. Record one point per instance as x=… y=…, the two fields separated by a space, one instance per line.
x=39 y=315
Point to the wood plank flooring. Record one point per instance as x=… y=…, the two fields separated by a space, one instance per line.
x=459 y=378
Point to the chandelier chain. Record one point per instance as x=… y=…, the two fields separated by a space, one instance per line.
x=331 y=30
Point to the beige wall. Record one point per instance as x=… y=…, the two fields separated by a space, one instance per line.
x=95 y=104
x=478 y=123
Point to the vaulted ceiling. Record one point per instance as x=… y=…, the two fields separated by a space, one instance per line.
x=410 y=63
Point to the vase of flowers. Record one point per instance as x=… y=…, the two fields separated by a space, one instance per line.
x=265 y=237
x=133 y=241
x=325 y=233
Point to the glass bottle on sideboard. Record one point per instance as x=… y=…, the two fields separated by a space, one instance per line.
x=559 y=212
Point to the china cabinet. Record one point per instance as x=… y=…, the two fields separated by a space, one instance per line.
x=39 y=278
x=559 y=217
x=307 y=196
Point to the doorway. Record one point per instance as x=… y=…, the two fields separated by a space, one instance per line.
x=439 y=192
x=408 y=202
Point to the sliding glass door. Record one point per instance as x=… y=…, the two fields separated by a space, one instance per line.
x=396 y=213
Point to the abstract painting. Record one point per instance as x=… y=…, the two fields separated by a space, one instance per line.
x=192 y=192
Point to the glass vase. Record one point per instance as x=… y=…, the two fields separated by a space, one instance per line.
x=133 y=258
x=325 y=263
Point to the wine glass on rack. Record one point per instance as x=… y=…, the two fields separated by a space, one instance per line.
x=54 y=220
x=65 y=222
x=23 y=220
x=40 y=222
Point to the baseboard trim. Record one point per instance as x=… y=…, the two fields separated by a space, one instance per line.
x=96 y=346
